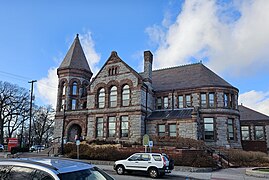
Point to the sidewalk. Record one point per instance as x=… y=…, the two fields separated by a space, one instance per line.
x=223 y=174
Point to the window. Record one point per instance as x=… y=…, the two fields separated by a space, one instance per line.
x=20 y=172
x=232 y=101
x=188 y=100
x=112 y=71
x=126 y=95
x=124 y=126
x=180 y=101
x=64 y=89
x=101 y=98
x=74 y=104
x=84 y=91
x=259 y=133
x=245 y=132
x=226 y=99
x=161 y=130
x=74 y=88
x=172 y=130
x=231 y=129
x=203 y=99
x=99 y=127
x=211 y=99
x=63 y=104
x=165 y=102
x=113 y=97
x=209 y=129
x=156 y=157
x=145 y=157
x=111 y=126
x=159 y=103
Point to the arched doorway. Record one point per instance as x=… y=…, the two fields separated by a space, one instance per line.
x=74 y=130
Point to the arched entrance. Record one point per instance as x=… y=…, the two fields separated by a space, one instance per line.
x=74 y=130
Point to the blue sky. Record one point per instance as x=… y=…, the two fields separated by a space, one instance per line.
x=230 y=37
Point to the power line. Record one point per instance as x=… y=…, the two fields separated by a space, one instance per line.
x=23 y=79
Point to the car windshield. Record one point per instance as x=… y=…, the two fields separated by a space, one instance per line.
x=93 y=173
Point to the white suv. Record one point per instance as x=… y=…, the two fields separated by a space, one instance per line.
x=155 y=164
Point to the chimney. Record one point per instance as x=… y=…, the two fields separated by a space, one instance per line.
x=148 y=58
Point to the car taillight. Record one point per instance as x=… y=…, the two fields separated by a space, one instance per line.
x=164 y=162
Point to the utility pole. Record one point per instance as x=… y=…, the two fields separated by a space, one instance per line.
x=31 y=104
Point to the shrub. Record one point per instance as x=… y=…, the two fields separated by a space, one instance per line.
x=246 y=158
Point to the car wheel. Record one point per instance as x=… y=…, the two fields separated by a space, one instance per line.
x=120 y=170
x=153 y=172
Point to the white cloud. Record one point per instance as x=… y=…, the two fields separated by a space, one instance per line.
x=47 y=86
x=256 y=100
x=205 y=29
x=88 y=47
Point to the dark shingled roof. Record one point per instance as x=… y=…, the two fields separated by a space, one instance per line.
x=171 y=114
x=247 y=114
x=185 y=77
x=75 y=57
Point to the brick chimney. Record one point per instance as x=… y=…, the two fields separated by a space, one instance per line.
x=148 y=58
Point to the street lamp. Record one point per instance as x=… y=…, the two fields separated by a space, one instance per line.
x=62 y=142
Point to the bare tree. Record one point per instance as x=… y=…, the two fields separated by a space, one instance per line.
x=43 y=121
x=14 y=108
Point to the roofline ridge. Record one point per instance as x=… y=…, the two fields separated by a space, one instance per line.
x=173 y=67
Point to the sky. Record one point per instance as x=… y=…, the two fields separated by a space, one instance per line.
x=230 y=37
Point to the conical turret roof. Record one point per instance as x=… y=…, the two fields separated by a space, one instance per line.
x=75 y=58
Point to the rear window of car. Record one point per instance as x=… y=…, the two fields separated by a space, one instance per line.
x=157 y=157
x=88 y=174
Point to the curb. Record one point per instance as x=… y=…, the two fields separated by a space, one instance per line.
x=255 y=173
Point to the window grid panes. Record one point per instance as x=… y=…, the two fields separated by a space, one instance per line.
x=161 y=130
x=259 y=133
x=245 y=132
x=124 y=126
x=74 y=104
x=209 y=128
x=203 y=100
x=113 y=96
x=101 y=98
x=100 y=127
x=232 y=101
x=125 y=95
x=165 y=102
x=226 y=100
x=74 y=88
x=188 y=100
x=231 y=129
x=64 y=89
x=112 y=126
x=211 y=99
x=180 y=101
x=172 y=130
x=159 y=103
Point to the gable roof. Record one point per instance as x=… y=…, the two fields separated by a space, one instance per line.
x=186 y=77
x=114 y=58
x=247 y=114
x=171 y=114
x=75 y=57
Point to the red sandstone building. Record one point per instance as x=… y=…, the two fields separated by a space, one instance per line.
x=120 y=104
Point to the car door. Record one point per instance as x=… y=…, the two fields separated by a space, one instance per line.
x=132 y=162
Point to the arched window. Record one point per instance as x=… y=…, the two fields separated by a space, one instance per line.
x=113 y=97
x=101 y=98
x=63 y=89
x=74 y=104
x=84 y=90
x=126 y=95
x=74 y=88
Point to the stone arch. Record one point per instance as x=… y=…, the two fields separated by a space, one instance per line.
x=73 y=131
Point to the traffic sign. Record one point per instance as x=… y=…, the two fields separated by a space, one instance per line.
x=150 y=144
